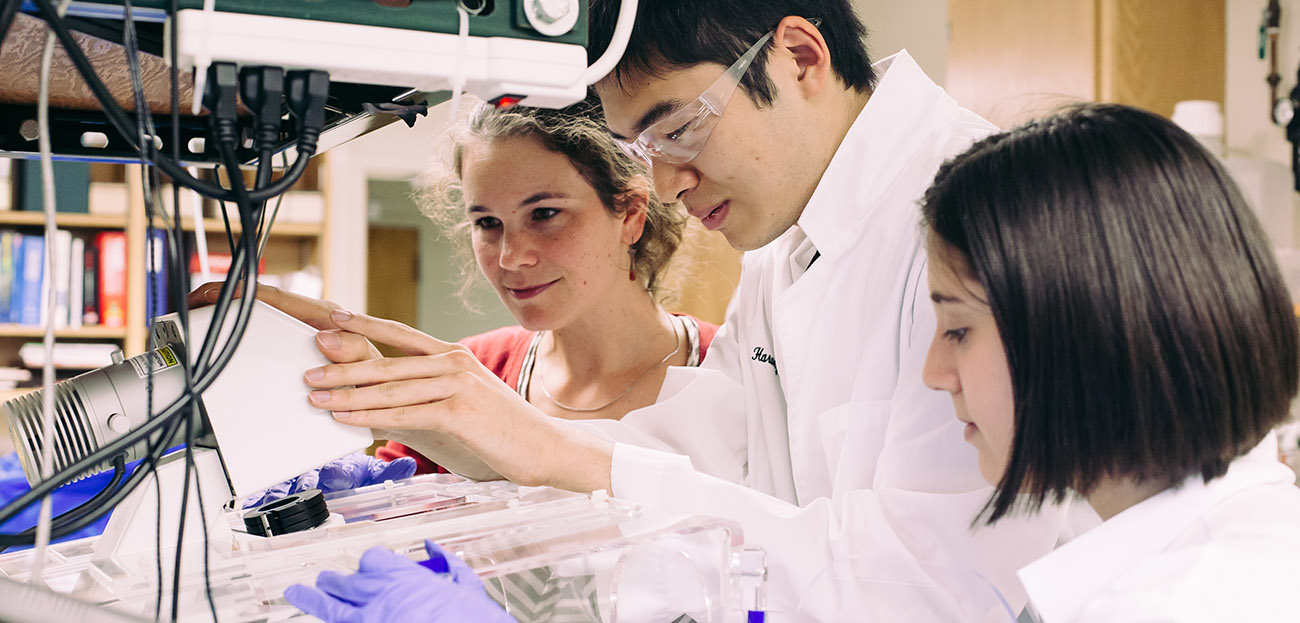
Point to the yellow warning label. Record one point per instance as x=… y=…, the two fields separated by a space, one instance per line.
x=169 y=358
x=154 y=362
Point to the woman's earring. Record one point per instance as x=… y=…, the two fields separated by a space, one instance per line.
x=631 y=267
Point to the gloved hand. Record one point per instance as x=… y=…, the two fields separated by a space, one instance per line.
x=349 y=472
x=390 y=587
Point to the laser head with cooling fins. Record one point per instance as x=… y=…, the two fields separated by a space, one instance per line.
x=95 y=408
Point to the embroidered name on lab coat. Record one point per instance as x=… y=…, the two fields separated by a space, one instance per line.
x=761 y=355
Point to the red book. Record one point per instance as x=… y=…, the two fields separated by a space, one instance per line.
x=218 y=266
x=112 y=277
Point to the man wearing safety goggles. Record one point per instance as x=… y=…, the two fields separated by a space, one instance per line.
x=766 y=120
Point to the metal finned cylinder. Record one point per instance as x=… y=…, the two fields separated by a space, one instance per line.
x=73 y=431
x=91 y=410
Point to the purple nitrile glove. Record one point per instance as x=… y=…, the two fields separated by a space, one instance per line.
x=360 y=470
x=443 y=562
x=391 y=588
x=349 y=472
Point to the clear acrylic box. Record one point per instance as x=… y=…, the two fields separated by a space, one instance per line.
x=544 y=554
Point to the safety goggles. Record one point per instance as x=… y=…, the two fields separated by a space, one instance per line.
x=679 y=137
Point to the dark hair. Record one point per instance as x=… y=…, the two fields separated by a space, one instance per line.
x=579 y=134
x=1146 y=325
x=672 y=34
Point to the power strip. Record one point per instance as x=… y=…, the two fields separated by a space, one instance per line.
x=547 y=74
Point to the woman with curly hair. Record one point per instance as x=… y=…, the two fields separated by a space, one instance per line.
x=566 y=230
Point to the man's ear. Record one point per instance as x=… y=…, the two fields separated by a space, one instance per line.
x=634 y=202
x=801 y=45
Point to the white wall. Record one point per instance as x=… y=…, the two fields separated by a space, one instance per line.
x=363 y=193
x=920 y=26
x=392 y=153
x=1257 y=149
x=1247 y=128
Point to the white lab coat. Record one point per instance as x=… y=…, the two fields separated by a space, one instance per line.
x=1202 y=553
x=855 y=476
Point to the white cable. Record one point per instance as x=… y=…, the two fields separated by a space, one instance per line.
x=200 y=232
x=47 y=373
x=458 y=76
x=617 y=44
x=203 y=58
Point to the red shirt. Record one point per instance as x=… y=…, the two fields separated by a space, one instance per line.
x=502 y=351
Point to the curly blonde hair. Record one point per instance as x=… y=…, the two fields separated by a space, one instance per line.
x=579 y=134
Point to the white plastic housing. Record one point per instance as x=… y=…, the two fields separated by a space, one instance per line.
x=266 y=430
x=549 y=74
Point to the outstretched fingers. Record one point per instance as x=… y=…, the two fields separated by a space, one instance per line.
x=314 y=312
x=346 y=347
x=389 y=369
x=384 y=395
x=400 y=336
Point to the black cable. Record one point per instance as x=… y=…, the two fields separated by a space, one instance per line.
x=225 y=218
x=119 y=471
x=157 y=531
x=121 y=444
x=168 y=417
x=206 y=375
x=114 y=112
x=149 y=37
x=262 y=91
x=28 y=536
x=117 y=117
x=226 y=144
x=221 y=101
x=264 y=164
x=180 y=521
x=134 y=480
x=8 y=10
x=90 y=511
x=104 y=505
x=148 y=130
x=181 y=301
x=307 y=95
x=149 y=182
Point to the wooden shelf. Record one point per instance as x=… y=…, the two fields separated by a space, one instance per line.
x=64 y=219
x=216 y=226
x=118 y=221
x=32 y=331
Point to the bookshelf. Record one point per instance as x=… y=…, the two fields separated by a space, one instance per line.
x=292 y=246
x=37 y=332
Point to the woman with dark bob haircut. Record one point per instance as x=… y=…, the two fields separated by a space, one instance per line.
x=1112 y=324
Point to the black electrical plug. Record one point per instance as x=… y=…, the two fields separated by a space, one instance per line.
x=307 y=92
x=222 y=100
x=262 y=89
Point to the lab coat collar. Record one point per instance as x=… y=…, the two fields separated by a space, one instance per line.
x=1062 y=583
x=875 y=152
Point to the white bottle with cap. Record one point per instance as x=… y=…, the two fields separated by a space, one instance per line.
x=1204 y=120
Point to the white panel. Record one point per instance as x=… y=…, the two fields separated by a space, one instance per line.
x=265 y=428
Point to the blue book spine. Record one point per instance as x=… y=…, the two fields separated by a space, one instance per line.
x=156 y=269
x=6 y=272
x=16 y=287
x=33 y=273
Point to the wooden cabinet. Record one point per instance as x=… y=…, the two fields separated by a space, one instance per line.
x=1010 y=60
